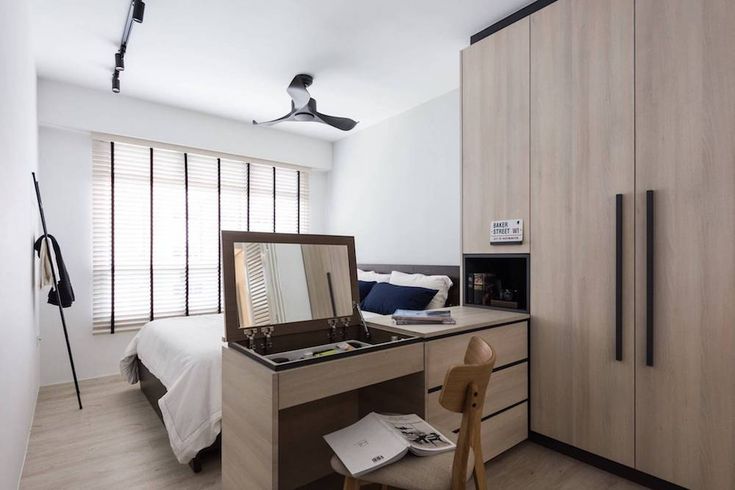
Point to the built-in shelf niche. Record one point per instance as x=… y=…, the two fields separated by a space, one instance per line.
x=497 y=281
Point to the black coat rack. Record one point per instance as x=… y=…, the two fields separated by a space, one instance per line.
x=56 y=287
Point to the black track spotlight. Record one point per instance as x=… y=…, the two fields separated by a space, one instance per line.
x=138 y=10
x=116 y=82
x=119 y=61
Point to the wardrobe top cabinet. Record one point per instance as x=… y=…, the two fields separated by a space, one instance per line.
x=495 y=132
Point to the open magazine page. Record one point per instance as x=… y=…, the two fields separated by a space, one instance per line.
x=367 y=445
x=424 y=439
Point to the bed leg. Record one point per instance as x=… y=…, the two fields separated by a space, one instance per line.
x=196 y=464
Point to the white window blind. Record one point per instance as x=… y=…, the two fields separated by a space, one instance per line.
x=257 y=285
x=157 y=214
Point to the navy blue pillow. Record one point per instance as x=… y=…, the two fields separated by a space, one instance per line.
x=386 y=298
x=365 y=288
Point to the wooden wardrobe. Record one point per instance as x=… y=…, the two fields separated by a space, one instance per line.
x=630 y=165
x=685 y=154
x=582 y=156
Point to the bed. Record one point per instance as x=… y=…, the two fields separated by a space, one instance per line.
x=177 y=362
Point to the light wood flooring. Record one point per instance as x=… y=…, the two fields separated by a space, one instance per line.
x=118 y=442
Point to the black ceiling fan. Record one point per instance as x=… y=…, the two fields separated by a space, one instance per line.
x=303 y=107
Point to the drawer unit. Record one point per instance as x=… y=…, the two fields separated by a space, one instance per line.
x=509 y=341
x=301 y=385
x=507 y=387
x=504 y=430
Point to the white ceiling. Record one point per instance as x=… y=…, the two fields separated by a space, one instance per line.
x=370 y=59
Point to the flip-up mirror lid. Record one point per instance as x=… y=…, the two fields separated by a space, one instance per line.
x=293 y=282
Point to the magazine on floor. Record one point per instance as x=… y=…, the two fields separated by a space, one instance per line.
x=378 y=440
x=422 y=317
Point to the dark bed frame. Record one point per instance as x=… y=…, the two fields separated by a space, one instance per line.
x=153 y=389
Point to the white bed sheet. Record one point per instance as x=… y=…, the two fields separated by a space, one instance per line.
x=185 y=353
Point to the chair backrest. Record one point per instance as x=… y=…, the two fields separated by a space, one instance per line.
x=463 y=392
x=478 y=364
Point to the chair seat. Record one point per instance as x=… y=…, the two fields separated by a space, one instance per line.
x=413 y=472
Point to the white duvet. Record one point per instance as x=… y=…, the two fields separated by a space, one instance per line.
x=186 y=355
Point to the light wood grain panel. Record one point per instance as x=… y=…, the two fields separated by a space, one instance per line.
x=318 y=261
x=506 y=387
x=495 y=128
x=503 y=431
x=308 y=383
x=117 y=441
x=510 y=343
x=249 y=423
x=685 y=118
x=582 y=155
x=530 y=466
x=466 y=318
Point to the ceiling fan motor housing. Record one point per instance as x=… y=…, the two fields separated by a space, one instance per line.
x=307 y=80
x=303 y=107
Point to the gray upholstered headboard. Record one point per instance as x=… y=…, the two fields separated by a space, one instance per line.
x=452 y=271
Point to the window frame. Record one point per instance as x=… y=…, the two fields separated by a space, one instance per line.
x=103 y=316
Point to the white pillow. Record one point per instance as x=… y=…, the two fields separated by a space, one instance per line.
x=440 y=283
x=371 y=276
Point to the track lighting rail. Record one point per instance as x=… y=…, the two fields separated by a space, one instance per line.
x=136 y=10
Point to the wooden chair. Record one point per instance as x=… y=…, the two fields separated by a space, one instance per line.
x=463 y=392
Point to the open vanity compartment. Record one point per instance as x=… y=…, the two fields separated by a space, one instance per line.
x=289 y=346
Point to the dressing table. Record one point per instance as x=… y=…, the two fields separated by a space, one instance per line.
x=300 y=361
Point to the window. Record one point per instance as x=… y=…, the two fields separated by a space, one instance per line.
x=157 y=214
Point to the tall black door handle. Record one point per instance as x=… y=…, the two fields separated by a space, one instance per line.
x=618 y=277
x=649 y=278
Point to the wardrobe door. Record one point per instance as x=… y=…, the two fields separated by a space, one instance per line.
x=495 y=77
x=582 y=155
x=685 y=119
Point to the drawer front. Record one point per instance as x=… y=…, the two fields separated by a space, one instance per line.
x=507 y=386
x=308 y=383
x=510 y=343
x=503 y=431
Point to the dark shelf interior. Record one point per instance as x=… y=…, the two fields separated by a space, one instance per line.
x=497 y=281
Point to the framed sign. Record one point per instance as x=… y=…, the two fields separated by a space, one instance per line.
x=506 y=231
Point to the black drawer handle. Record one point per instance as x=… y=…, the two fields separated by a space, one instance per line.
x=618 y=277
x=649 y=278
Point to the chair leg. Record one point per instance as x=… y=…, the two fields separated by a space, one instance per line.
x=479 y=469
x=351 y=484
x=480 y=477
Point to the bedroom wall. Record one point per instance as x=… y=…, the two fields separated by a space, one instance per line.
x=395 y=186
x=65 y=174
x=67 y=115
x=19 y=356
x=78 y=108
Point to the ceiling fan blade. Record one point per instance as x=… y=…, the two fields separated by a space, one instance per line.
x=297 y=90
x=287 y=117
x=343 y=123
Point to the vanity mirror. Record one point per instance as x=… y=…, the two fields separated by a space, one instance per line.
x=290 y=282
x=294 y=283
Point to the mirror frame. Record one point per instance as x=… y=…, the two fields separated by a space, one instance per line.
x=229 y=238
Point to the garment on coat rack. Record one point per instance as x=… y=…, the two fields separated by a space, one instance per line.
x=47 y=266
x=65 y=290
